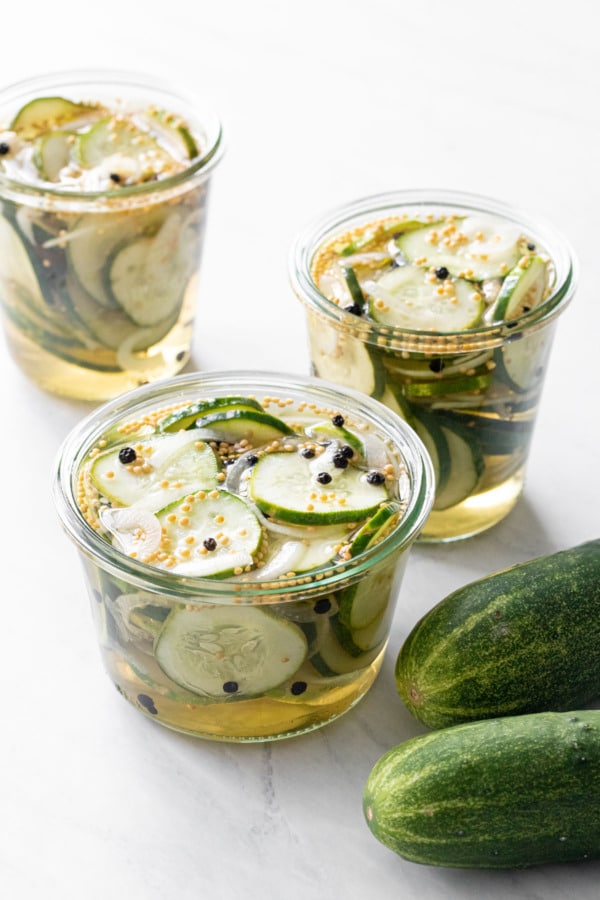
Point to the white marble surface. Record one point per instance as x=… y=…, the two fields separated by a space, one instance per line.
x=324 y=101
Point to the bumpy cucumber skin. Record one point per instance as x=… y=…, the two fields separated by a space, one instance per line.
x=523 y=640
x=503 y=793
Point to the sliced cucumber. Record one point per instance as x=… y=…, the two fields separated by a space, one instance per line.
x=95 y=237
x=451 y=385
x=497 y=436
x=465 y=466
x=147 y=277
x=227 y=653
x=326 y=430
x=410 y=297
x=376 y=528
x=521 y=362
x=392 y=397
x=332 y=658
x=344 y=359
x=286 y=486
x=164 y=468
x=187 y=417
x=436 y=444
x=170 y=130
x=523 y=289
x=210 y=534
x=371 y=637
x=111 y=327
x=47 y=113
x=476 y=247
x=116 y=137
x=52 y=153
x=286 y=555
x=235 y=425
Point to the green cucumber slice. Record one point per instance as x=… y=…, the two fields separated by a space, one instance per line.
x=436 y=444
x=46 y=113
x=95 y=237
x=216 y=516
x=115 y=137
x=441 y=387
x=287 y=555
x=52 y=153
x=523 y=289
x=376 y=528
x=410 y=297
x=227 y=653
x=285 y=486
x=486 y=248
x=521 y=362
x=333 y=659
x=111 y=327
x=187 y=417
x=465 y=466
x=358 y=641
x=147 y=277
x=170 y=130
x=328 y=431
x=235 y=425
x=175 y=464
x=344 y=359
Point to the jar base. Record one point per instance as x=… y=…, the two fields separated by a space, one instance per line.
x=255 y=720
x=78 y=382
x=474 y=515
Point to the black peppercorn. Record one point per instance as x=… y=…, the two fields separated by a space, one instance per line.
x=251 y=460
x=114 y=176
x=230 y=687
x=442 y=273
x=354 y=309
x=347 y=451
x=4 y=148
x=338 y=421
x=340 y=461
x=436 y=365
x=127 y=455
x=322 y=606
x=323 y=477
x=209 y=543
x=148 y=703
x=307 y=452
x=375 y=478
x=298 y=688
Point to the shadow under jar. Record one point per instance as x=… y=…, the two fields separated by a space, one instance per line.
x=244 y=536
x=104 y=180
x=443 y=306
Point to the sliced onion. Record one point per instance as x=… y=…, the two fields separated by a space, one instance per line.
x=134 y=530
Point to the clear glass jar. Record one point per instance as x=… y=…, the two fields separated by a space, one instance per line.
x=139 y=609
x=98 y=281
x=472 y=395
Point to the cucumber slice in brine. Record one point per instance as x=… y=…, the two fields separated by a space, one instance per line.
x=147 y=277
x=410 y=297
x=340 y=357
x=210 y=534
x=287 y=486
x=52 y=153
x=523 y=289
x=226 y=653
x=48 y=113
x=155 y=471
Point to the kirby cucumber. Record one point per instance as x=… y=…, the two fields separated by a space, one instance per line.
x=523 y=640
x=504 y=793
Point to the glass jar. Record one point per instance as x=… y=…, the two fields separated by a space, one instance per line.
x=262 y=654
x=104 y=180
x=472 y=394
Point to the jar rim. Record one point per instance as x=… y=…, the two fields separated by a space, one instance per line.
x=199 y=168
x=342 y=218
x=79 y=441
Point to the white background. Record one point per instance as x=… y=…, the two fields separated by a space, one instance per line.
x=323 y=102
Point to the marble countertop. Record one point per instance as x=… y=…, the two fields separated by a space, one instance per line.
x=323 y=102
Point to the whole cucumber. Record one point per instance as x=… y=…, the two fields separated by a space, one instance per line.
x=501 y=793
x=523 y=640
